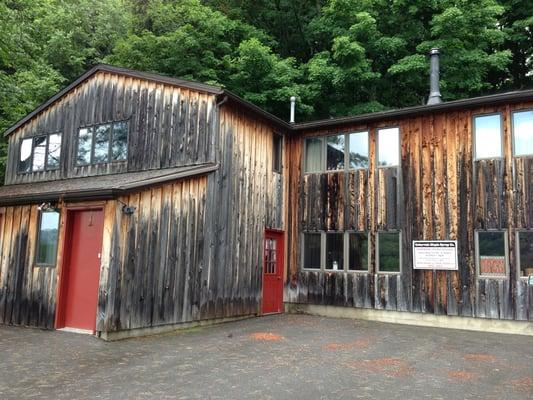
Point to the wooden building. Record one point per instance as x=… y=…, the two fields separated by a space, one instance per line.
x=136 y=203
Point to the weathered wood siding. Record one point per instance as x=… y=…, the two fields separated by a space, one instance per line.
x=438 y=192
x=168 y=126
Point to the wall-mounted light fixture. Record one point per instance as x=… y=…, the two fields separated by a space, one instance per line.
x=48 y=207
x=126 y=208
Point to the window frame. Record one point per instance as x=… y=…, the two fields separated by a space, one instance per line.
x=325 y=153
x=322 y=150
x=21 y=140
x=400 y=241
x=46 y=168
x=92 y=128
x=473 y=137
x=322 y=250
x=399 y=147
x=38 y=238
x=277 y=168
x=476 y=253
x=347 y=251
x=513 y=135
x=517 y=246
x=347 y=150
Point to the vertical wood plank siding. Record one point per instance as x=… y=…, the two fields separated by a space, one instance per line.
x=168 y=126
x=438 y=192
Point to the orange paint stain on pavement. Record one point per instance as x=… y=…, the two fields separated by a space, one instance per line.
x=267 y=337
x=392 y=367
x=480 y=357
x=357 y=344
x=464 y=376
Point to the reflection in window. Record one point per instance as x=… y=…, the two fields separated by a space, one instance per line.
x=388 y=147
x=24 y=164
x=47 y=240
x=334 y=251
x=54 y=151
x=85 y=142
x=119 y=149
x=389 y=251
x=487 y=136
x=525 y=252
x=101 y=143
x=358 y=150
x=491 y=253
x=313 y=155
x=358 y=251
x=335 y=152
x=311 y=250
x=39 y=152
x=523 y=133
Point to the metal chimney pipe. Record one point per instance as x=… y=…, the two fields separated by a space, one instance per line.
x=293 y=108
x=434 y=92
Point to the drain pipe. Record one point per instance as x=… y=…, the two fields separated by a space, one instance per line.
x=293 y=108
x=434 y=92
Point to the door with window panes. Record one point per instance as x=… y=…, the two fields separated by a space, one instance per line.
x=273 y=273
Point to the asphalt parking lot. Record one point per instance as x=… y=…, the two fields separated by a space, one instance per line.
x=274 y=357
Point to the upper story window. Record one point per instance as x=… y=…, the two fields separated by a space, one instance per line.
x=523 y=133
x=102 y=143
x=336 y=152
x=40 y=153
x=388 y=147
x=46 y=253
x=487 y=136
x=277 y=151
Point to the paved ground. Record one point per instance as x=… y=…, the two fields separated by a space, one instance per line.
x=277 y=357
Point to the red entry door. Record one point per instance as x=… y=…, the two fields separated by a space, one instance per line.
x=273 y=273
x=82 y=278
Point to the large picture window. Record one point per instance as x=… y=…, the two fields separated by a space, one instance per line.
x=523 y=133
x=102 y=143
x=40 y=153
x=46 y=253
x=525 y=252
x=488 y=136
x=491 y=253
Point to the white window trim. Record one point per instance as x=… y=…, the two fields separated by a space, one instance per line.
x=513 y=135
x=473 y=136
x=517 y=238
x=506 y=244
x=399 y=147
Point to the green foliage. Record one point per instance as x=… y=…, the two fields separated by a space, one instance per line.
x=337 y=57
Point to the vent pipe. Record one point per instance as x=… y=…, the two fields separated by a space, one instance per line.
x=293 y=108
x=434 y=92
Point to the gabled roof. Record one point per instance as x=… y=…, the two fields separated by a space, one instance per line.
x=97 y=187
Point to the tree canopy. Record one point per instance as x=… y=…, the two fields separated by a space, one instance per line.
x=337 y=57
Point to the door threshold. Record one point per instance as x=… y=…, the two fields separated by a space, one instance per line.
x=77 y=330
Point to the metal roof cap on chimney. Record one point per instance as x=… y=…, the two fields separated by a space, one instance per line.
x=434 y=93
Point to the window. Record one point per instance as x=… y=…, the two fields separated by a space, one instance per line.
x=335 y=251
x=313 y=155
x=389 y=258
x=358 y=150
x=357 y=251
x=47 y=239
x=102 y=143
x=388 y=147
x=487 y=136
x=491 y=253
x=40 y=153
x=311 y=250
x=335 y=152
x=523 y=133
x=525 y=253
x=277 y=146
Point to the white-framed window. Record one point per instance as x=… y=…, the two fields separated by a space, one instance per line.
x=488 y=136
x=388 y=252
x=388 y=147
x=335 y=152
x=314 y=157
x=357 y=251
x=39 y=153
x=491 y=253
x=358 y=156
x=522 y=123
x=47 y=239
x=524 y=248
x=334 y=251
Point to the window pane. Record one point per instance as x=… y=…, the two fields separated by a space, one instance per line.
x=335 y=152
x=491 y=252
x=388 y=147
x=48 y=234
x=85 y=141
x=54 y=151
x=488 y=140
x=120 y=141
x=25 y=156
x=358 y=144
x=276 y=152
x=39 y=153
x=334 y=251
x=313 y=155
x=525 y=248
x=389 y=251
x=523 y=133
x=101 y=143
x=358 y=252
x=312 y=250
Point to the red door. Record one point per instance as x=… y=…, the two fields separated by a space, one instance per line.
x=273 y=273
x=80 y=283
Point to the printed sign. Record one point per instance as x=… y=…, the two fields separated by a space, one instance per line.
x=435 y=254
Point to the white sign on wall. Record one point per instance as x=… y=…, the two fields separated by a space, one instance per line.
x=435 y=254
